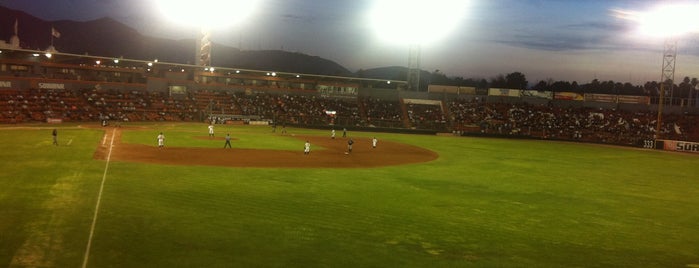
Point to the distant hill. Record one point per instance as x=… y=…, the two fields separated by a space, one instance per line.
x=110 y=38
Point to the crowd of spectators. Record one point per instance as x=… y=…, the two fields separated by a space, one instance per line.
x=423 y=116
x=460 y=116
x=583 y=124
x=382 y=113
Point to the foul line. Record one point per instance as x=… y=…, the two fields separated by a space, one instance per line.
x=99 y=199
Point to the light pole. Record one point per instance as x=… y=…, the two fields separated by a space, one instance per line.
x=206 y=15
x=667 y=79
x=203 y=53
x=413 y=77
x=667 y=21
x=416 y=23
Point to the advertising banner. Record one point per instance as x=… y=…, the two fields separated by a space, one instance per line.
x=537 y=94
x=600 y=97
x=634 y=99
x=681 y=146
x=442 y=89
x=568 y=96
x=504 y=92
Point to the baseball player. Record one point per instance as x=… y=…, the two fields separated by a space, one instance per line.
x=54 y=133
x=332 y=134
x=349 y=145
x=307 y=148
x=211 y=130
x=228 y=141
x=373 y=142
x=161 y=140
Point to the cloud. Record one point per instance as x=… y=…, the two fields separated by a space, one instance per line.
x=597 y=35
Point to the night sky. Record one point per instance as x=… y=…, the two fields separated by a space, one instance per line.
x=558 y=39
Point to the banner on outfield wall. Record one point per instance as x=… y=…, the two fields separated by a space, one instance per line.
x=681 y=146
x=504 y=92
x=568 y=96
x=5 y=84
x=537 y=94
x=442 y=89
x=634 y=99
x=451 y=89
x=600 y=97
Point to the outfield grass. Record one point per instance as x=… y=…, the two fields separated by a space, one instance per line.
x=483 y=203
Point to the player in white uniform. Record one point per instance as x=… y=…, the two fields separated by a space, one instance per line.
x=332 y=134
x=373 y=142
x=211 y=130
x=161 y=140
x=307 y=148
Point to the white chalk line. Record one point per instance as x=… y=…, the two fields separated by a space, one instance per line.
x=99 y=200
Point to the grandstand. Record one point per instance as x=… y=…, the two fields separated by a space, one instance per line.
x=78 y=88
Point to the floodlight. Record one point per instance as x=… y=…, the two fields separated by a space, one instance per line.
x=207 y=13
x=665 y=21
x=416 y=22
x=668 y=21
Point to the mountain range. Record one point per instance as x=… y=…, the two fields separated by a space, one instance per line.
x=110 y=38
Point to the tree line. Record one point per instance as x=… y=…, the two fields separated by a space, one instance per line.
x=686 y=88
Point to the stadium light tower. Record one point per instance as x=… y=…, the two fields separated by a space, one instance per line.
x=416 y=24
x=206 y=15
x=668 y=22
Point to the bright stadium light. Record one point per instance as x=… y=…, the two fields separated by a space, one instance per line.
x=664 y=21
x=668 y=21
x=207 y=15
x=415 y=22
x=210 y=14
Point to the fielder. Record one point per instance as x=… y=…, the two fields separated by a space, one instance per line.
x=211 y=130
x=161 y=140
x=54 y=133
x=373 y=142
x=307 y=148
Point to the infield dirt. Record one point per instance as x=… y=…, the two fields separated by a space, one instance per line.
x=325 y=153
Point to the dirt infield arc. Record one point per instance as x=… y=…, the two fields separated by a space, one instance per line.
x=325 y=153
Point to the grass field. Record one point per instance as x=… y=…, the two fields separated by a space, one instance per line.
x=483 y=203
